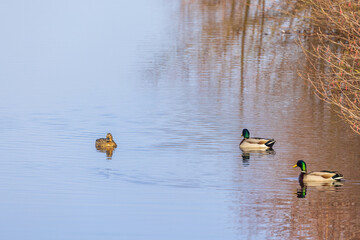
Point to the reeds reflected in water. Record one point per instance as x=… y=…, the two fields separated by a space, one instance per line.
x=239 y=48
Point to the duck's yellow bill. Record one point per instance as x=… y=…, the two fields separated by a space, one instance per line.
x=295 y=165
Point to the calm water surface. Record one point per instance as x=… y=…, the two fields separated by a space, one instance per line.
x=175 y=83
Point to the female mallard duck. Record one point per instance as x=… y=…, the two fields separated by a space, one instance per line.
x=322 y=176
x=107 y=142
x=255 y=143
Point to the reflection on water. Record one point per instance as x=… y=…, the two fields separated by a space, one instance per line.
x=176 y=92
x=255 y=153
x=329 y=211
x=108 y=150
x=301 y=192
x=240 y=51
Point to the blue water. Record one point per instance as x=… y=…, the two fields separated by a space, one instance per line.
x=175 y=97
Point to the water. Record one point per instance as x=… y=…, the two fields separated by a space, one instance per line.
x=175 y=83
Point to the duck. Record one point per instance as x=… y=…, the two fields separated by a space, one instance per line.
x=324 y=176
x=107 y=142
x=255 y=143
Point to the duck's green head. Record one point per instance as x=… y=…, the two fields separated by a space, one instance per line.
x=245 y=133
x=301 y=164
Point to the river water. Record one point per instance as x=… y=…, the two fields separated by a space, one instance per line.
x=175 y=82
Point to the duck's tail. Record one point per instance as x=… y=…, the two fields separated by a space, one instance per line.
x=337 y=176
x=270 y=143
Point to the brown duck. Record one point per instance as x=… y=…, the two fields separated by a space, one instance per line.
x=107 y=142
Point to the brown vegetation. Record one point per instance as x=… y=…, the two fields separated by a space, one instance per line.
x=335 y=58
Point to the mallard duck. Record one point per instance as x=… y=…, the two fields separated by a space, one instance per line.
x=255 y=143
x=107 y=142
x=322 y=176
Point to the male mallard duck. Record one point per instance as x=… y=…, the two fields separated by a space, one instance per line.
x=322 y=176
x=107 y=142
x=255 y=143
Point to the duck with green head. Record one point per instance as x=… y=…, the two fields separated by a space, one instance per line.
x=321 y=176
x=255 y=143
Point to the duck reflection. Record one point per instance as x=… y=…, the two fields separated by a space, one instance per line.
x=320 y=186
x=246 y=154
x=301 y=192
x=108 y=150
